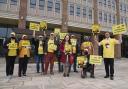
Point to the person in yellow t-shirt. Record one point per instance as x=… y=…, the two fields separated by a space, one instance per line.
x=50 y=48
x=87 y=50
x=11 y=46
x=74 y=51
x=39 y=44
x=108 y=54
x=24 y=55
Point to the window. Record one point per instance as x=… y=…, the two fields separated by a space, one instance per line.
x=84 y=12
x=32 y=3
x=78 y=11
x=114 y=19
x=41 y=4
x=13 y=2
x=90 y=13
x=105 y=3
x=50 y=5
x=125 y=8
x=71 y=9
x=109 y=3
x=100 y=2
x=57 y=7
x=113 y=4
x=100 y=15
x=3 y=1
x=121 y=19
x=110 y=18
x=105 y=17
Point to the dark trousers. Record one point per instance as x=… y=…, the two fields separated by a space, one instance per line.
x=23 y=65
x=39 y=59
x=49 y=59
x=10 y=60
x=109 y=66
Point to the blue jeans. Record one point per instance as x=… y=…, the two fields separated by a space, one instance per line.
x=39 y=59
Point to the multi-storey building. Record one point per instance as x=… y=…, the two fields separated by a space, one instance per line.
x=16 y=15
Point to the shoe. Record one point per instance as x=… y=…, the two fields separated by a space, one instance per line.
x=111 y=78
x=64 y=75
x=19 y=75
x=52 y=73
x=76 y=71
x=106 y=76
x=67 y=75
x=92 y=76
x=24 y=75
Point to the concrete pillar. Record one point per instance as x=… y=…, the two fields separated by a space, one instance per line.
x=64 y=16
x=117 y=47
x=22 y=15
x=95 y=14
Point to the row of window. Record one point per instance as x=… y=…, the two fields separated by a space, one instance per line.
x=12 y=2
x=107 y=17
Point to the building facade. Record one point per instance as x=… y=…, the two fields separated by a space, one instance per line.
x=81 y=14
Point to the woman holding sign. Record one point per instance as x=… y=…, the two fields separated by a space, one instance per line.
x=24 y=54
x=108 y=54
x=66 y=55
x=11 y=46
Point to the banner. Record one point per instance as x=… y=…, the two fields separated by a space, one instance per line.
x=12 y=46
x=43 y=25
x=119 y=29
x=96 y=28
x=95 y=59
x=62 y=35
x=34 y=26
x=57 y=30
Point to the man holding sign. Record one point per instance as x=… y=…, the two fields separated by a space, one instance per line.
x=108 y=54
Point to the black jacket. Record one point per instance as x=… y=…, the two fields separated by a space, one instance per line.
x=7 y=41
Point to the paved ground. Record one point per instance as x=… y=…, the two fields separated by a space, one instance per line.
x=57 y=81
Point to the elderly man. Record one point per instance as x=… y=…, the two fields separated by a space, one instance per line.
x=108 y=54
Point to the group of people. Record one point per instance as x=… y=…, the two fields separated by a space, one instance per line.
x=47 y=50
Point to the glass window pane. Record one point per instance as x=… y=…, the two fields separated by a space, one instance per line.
x=90 y=13
x=84 y=12
x=78 y=11
x=50 y=5
x=13 y=2
x=3 y=1
x=57 y=7
x=32 y=3
x=41 y=4
x=71 y=9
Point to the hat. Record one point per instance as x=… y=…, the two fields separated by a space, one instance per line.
x=23 y=36
x=40 y=36
x=13 y=33
x=51 y=33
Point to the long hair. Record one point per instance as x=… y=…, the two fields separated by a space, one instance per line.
x=64 y=40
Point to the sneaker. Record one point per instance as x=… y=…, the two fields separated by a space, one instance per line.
x=111 y=78
x=106 y=76
x=64 y=75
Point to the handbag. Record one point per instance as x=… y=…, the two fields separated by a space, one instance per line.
x=71 y=59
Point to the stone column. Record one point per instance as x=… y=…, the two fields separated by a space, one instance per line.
x=22 y=15
x=95 y=14
x=118 y=47
x=64 y=16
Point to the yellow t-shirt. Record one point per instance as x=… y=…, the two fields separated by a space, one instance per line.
x=51 y=46
x=108 y=47
x=12 y=47
x=74 y=43
x=40 y=48
x=24 y=46
x=68 y=48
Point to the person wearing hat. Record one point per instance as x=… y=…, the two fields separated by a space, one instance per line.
x=39 y=44
x=11 y=46
x=74 y=51
x=24 y=55
x=50 y=48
